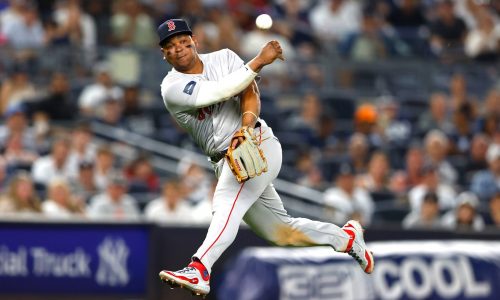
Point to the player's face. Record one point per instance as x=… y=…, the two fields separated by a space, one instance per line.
x=180 y=52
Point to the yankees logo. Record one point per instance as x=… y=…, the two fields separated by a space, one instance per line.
x=171 y=25
x=113 y=255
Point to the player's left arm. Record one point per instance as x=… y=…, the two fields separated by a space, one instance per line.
x=250 y=105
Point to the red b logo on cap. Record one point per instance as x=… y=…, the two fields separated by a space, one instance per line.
x=171 y=25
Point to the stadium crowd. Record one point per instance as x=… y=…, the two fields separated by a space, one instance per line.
x=438 y=161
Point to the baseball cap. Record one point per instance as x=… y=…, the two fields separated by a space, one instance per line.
x=172 y=27
x=346 y=169
x=468 y=198
x=366 y=113
x=493 y=152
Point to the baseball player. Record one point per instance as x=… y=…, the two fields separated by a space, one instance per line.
x=215 y=98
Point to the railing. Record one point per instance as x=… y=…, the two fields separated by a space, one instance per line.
x=299 y=199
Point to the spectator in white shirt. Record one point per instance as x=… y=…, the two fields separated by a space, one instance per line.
x=349 y=201
x=60 y=203
x=465 y=216
x=104 y=167
x=171 y=207
x=431 y=183
x=428 y=217
x=53 y=165
x=436 y=150
x=114 y=204
x=95 y=95
x=82 y=150
x=334 y=19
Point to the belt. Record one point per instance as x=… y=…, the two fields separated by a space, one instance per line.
x=220 y=155
x=217 y=156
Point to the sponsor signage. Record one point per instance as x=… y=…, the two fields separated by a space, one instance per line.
x=72 y=259
x=403 y=270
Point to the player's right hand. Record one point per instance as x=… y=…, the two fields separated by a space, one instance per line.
x=270 y=52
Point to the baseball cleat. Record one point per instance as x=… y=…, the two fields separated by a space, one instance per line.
x=194 y=277
x=356 y=246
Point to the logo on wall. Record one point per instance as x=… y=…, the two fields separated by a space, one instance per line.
x=113 y=255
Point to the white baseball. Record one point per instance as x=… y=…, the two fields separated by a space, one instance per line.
x=264 y=21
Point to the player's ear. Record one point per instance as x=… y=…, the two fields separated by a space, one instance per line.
x=195 y=40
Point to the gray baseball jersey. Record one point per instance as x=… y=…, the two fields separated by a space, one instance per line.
x=212 y=126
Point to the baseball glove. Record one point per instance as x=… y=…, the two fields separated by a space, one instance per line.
x=247 y=159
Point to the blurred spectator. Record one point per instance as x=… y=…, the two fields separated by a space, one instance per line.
x=427 y=217
x=358 y=150
x=195 y=180
x=459 y=94
x=292 y=21
x=395 y=131
x=82 y=149
x=25 y=32
x=436 y=151
x=493 y=216
x=111 y=113
x=16 y=155
x=332 y=20
x=94 y=95
x=16 y=89
x=83 y=186
x=203 y=211
x=171 y=207
x=3 y=175
x=476 y=158
x=114 y=204
x=370 y=42
x=21 y=198
x=407 y=15
x=438 y=115
x=462 y=132
x=60 y=203
x=76 y=24
x=137 y=118
x=309 y=172
x=13 y=13
x=57 y=102
x=447 y=31
x=432 y=183
x=104 y=166
x=141 y=176
x=377 y=177
x=489 y=122
x=349 y=201
x=131 y=26
x=325 y=138
x=483 y=42
x=54 y=165
x=365 y=122
x=465 y=216
x=486 y=183
x=401 y=182
x=16 y=123
x=306 y=121
x=250 y=45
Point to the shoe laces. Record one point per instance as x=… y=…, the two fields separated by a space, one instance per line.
x=355 y=256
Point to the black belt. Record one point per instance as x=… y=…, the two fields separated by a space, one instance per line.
x=220 y=155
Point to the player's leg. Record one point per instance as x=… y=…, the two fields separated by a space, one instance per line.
x=230 y=203
x=269 y=219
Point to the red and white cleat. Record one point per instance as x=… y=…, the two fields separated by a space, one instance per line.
x=194 y=277
x=356 y=246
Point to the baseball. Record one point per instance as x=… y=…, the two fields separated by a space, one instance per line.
x=264 y=21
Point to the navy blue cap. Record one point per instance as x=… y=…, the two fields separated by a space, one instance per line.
x=172 y=27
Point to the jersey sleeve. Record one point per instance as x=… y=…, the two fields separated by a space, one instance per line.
x=234 y=61
x=191 y=92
